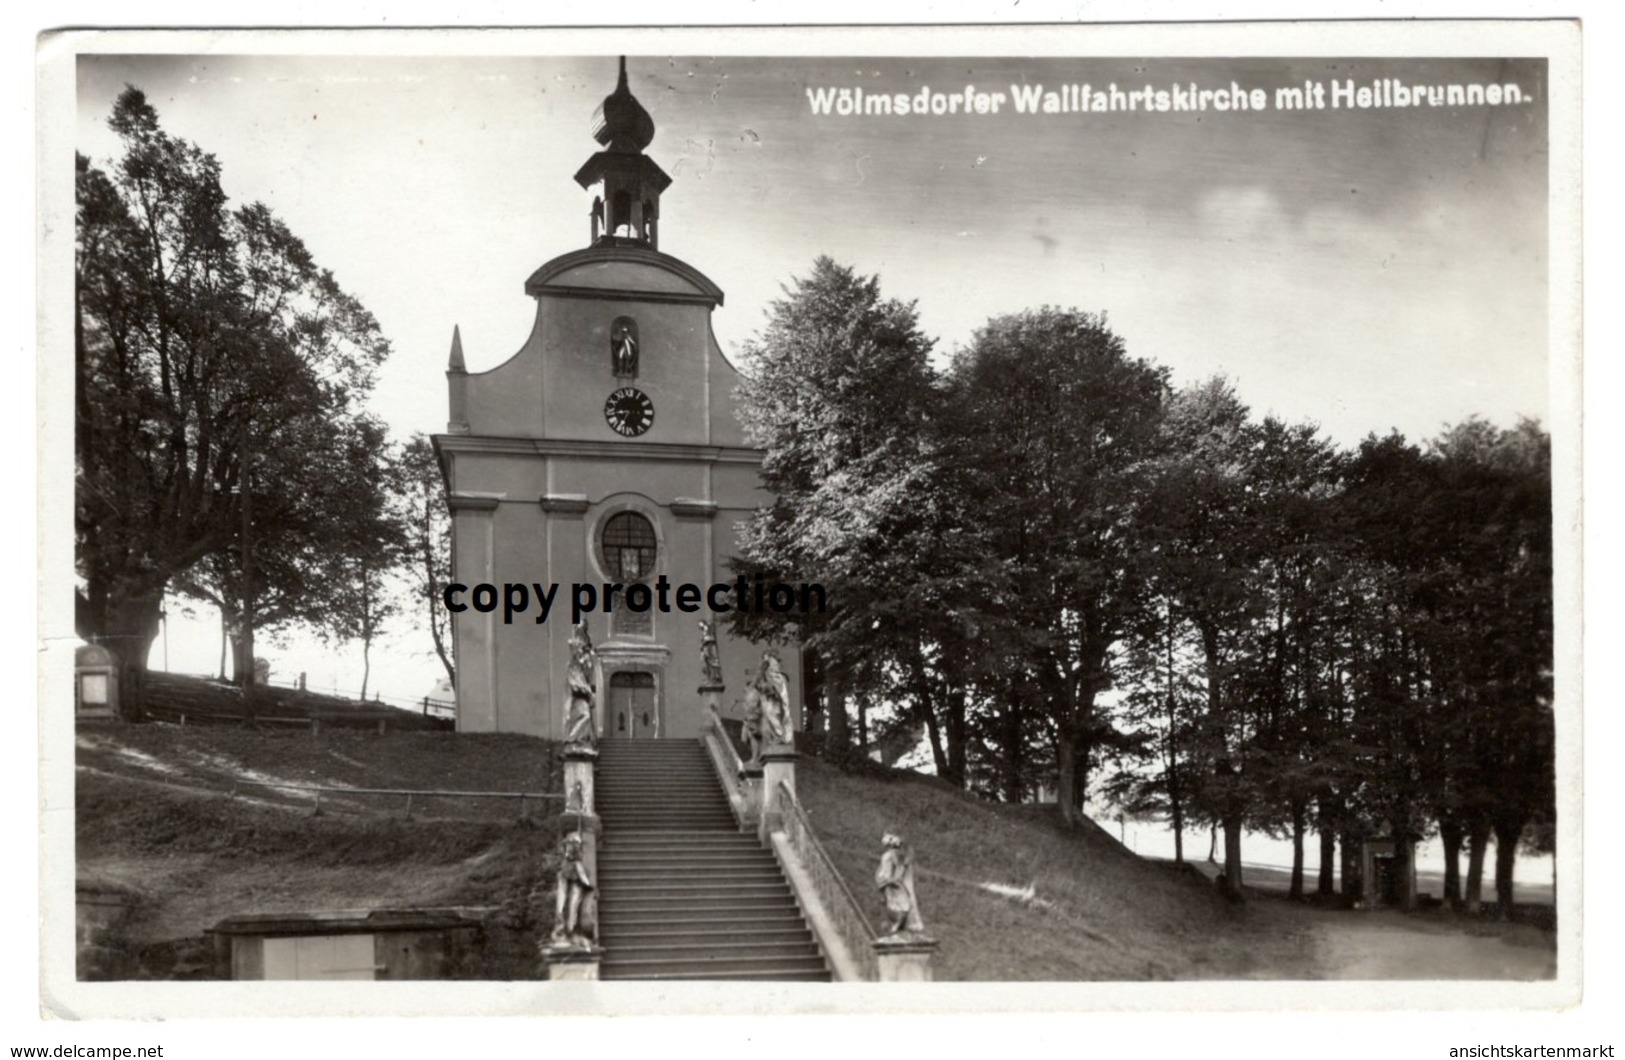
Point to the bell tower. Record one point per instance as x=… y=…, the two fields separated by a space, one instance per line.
x=626 y=212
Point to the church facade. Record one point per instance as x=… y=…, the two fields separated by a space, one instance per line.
x=605 y=452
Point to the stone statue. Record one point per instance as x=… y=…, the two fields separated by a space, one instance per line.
x=579 y=729
x=774 y=689
x=574 y=921
x=597 y=216
x=895 y=878
x=710 y=663
x=751 y=730
x=623 y=346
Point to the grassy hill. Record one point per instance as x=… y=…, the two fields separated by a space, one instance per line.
x=159 y=827
x=1012 y=893
x=158 y=824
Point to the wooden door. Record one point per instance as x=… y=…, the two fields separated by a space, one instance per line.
x=632 y=711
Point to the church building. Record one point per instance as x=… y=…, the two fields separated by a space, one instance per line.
x=604 y=452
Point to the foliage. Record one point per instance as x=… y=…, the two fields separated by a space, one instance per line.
x=429 y=540
x=210 y=349
x=1048 y=560
x=1057 y=427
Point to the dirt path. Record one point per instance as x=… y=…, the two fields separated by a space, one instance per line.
x=1389 y=945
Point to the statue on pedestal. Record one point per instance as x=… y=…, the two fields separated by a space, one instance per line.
x=574 y=921
x=710 y=663
x=895 y=879
x=774 y=689
x=583 y=684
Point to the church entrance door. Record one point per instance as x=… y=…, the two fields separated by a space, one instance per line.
x=632 y=704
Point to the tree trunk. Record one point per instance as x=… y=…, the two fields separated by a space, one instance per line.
x=130 y=630
x=366 y=664
x=1349 y=865
x=1300 y=824
x=1478 y=837
x=1177 y=812
x=954 y=701
x=1013 y=752
x=1450 y=834
x=1212 y=842
x=838 y=738
x=1404 y=878
x=863 y=725
x=1066 y=777
x=1232 y=855
x=1328 y=860
x=1508 y=833
x=933 y=731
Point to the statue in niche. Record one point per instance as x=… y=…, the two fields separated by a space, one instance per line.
x=583 y=684
x=597 y=217
x=574 y=917
x=623 y=348
x=710 y=662
x=774 y=690
x=895 y=879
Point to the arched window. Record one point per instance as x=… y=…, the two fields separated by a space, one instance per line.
x=627 y=544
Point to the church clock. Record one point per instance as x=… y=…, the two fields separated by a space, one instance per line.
x=629 y=411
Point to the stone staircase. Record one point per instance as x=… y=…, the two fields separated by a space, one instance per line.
x=682 y=892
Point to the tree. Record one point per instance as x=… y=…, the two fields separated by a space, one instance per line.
x=205 y=338
x=1058 y=427
x=429 y=541
x=841 y=398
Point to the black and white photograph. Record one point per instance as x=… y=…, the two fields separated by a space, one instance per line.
x=688 y=521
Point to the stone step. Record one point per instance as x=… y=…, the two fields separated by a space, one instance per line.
x=629 y=939
x=705 y=919
x=696 y=820
x=630 y=860
x=706 y=888
x=666 y=837
x=711 y=967
x=759 y=975
x=707 y=951
x=695 y=905
x=655 y=802
x=620 y=879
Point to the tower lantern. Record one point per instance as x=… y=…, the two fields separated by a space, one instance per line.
x=627 y=209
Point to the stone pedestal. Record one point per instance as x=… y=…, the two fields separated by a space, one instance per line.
x=587 y=826
x=905 y=958
x=566 y=963
x=750 y=785
x=580 y=763
x=712 y=695
x=778 y=767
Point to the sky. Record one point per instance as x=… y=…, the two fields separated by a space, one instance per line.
x=1366 y=269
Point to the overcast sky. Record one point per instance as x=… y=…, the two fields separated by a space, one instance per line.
x=1365 y=269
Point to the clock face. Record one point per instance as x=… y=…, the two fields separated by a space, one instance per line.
x=629 y=411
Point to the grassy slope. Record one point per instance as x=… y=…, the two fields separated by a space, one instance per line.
x=155 y=821
x=1100 y=912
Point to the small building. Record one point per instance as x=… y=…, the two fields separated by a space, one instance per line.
x=1387 y=873
x=385 y=944
x=95 y=682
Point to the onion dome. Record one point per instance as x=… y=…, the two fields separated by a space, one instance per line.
x=620 y=123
